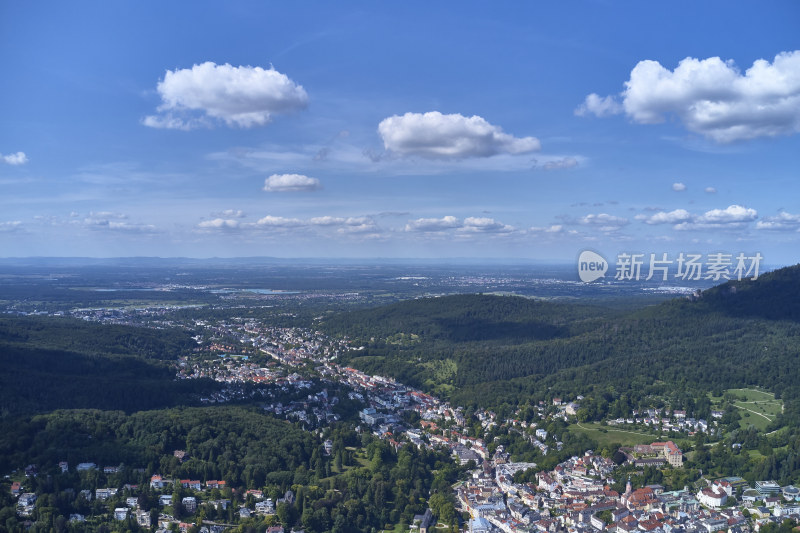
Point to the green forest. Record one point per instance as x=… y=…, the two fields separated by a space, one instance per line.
x=51 y=363
x=363 y=484
x=482 y=350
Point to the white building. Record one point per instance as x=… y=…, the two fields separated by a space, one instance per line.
x=190 y=504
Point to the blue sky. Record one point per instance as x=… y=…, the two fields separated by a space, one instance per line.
x=411 y=129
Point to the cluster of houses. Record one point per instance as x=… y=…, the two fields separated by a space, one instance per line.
x=675 y=420
x=576 y=497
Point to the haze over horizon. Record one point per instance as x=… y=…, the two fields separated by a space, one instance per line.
x=359 y=130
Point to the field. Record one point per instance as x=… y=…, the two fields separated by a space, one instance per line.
x=758 y=408
x=605 y=435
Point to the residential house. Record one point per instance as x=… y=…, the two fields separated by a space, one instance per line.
x=191 y=484
x=189 y=504
x=144 y=519
x=104 y=494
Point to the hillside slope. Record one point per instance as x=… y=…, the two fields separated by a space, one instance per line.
x=488 y=350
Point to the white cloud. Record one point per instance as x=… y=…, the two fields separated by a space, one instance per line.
x=327 y=221
x=14 y=159
x=558 y=164
x=7 y=227
x=783 y=222
x=710 y=190
x=604 y=221
x=433 y=224
x=485 y=225
x=279 y=222
x=437 y=136
x=678 y=187
x=219 y=223
x=553 y=229
x=731 y=214
x=345 y=224
x=241 y=96
x=672 y=217
x=358 y=225
x=290 y=183
x=732 y=217
x=170 y=122
x=713 y=98
x=601 y=107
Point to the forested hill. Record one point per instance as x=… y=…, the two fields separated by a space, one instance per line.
x=59 y=333
x=468 y=317
x=50 y=363
x=774 y=296
x=488 y=350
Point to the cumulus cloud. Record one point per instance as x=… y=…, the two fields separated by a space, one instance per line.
x=485 y=225
x=327 y=221
x=270 y=221
x=358 y=225
x=437 y=136
x=596 y=105
x=783 y=222
x=434 y=224
x=710 y=190
x=558 y=164
x=713 y=98
x=14 y=159
x=241 y=96
x=731 y=214
x=732 y=217
x=678 y=187
x=604 y=221
x=219 y=223
x=345 y=224
x=290 y=183
x=672 y=217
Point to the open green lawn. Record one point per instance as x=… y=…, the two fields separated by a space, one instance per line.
x=605 y=435
x=758 y=408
